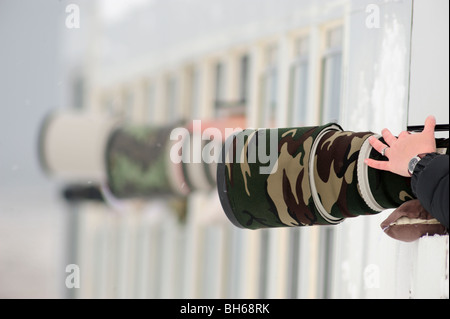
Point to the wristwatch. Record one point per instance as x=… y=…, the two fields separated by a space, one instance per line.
x=413 y=162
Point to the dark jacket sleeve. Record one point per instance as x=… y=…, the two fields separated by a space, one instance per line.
x=430 y=183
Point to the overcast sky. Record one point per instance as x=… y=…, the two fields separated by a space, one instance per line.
x=29 y=84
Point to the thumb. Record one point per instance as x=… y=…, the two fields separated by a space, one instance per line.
x=430 y=124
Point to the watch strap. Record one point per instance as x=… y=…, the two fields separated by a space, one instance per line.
x=413 y=162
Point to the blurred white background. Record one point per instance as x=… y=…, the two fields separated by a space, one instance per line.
x=45 y=65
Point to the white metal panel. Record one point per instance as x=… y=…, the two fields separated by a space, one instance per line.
x=429 y=93
x=430 y=277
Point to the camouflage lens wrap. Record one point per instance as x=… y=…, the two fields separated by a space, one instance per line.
x=336 y=190
x=283 y=198
x=138 y=163
x=317 y=179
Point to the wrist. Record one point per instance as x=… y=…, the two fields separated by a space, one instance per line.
x=414 y=161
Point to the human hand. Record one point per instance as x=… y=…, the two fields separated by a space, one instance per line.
x=401 y=150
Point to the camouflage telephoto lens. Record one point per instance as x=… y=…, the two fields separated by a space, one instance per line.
x=138 y=163
x=146 y=162
x=319 y=178
x=278 y=199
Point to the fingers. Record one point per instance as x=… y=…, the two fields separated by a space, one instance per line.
x=379 y=147
x=377 y=144
x=388 y=137
x=430 y=125
x=380 y=165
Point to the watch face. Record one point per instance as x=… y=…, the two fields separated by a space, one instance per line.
x=412 y=164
